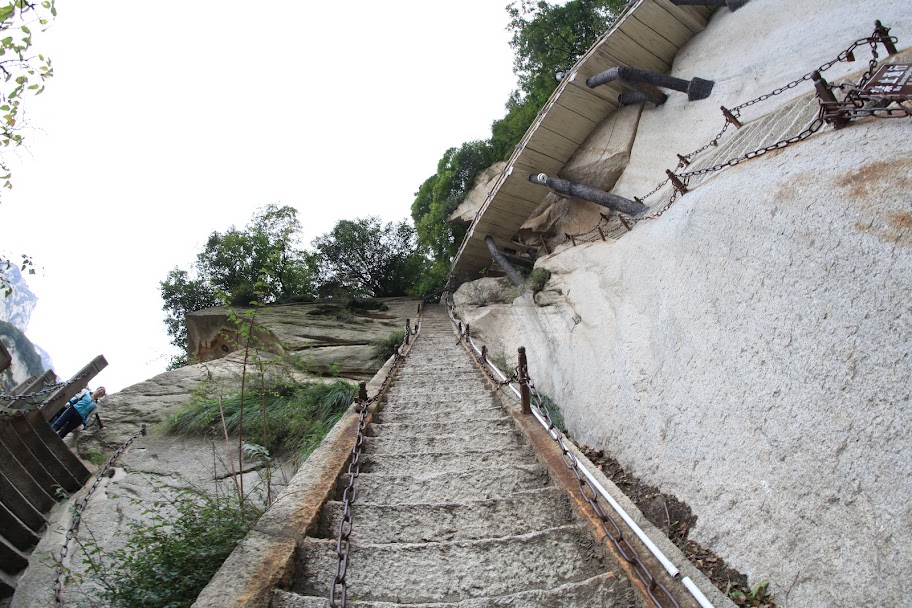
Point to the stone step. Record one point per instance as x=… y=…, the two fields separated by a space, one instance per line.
x=424 y=487
x=441 y=401
x=438 y=391
x=600 y=591
x=436 y=413
x=519 y=513
x=472 y=426
x=491 y=440
x=452 y=571
x=444 y=462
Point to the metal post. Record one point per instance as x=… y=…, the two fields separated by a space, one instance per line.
x=408 y=329
x=467 y=334
x=884 y=34
x=362 y=392
x=677 y=183
x=626 y=223
x=829 y=102
x=602 y=232
x=682 y=162
x=523 y=372
x=696 y=88
x=572 y=239
x=730 y=118
x=544 y=244
x=460 y=328
x=594 y=195
x=484 y=354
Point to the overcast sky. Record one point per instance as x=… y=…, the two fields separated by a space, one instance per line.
x=166 y=122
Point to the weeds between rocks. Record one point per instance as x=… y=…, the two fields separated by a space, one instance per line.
x=675 y=520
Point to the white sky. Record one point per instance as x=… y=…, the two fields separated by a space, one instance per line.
x=165 y=122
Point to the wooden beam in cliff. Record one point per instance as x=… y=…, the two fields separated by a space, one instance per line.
x=53 y=404
x=502 y=261
x=593 y=195
x=732 y=5
x=696 y=88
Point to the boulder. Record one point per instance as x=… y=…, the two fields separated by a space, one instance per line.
x=602 y=158
x=484 y=183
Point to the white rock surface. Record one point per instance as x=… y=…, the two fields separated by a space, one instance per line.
x=748 y=352
x=484 y=183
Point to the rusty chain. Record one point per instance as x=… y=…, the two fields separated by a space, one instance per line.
x=853 y=106
x=612 y=530
x=79 y=509
x=338 y=589
x=49 y=388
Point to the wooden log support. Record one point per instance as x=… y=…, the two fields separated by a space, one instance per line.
x=523 y=369
x=643 y=94
x=732 y=5
x=593 y=195
x=505 y=264
x=696 y=88
x=676 y=182
x=884 y=34
x=730 y=118
x=51 y=406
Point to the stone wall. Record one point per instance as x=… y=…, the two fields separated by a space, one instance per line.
x=749 y=350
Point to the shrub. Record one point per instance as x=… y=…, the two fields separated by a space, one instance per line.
x=537 y=279
x=173 y=552
x=385 y=347
x=298 y=416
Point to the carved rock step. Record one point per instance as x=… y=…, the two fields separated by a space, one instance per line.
x=464 y=405
x=439 y=392
x=472 y=520
x=436 y=383
x=448 y=571
x=444 y=462
x=426 y=412
x=449 y=400
x=473 y=426
x=602 y=591
x=492 y=440
x=420 y=488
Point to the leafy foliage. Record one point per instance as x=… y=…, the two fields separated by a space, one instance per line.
x=172 y=552
x=261 y=263
x=385 y=347
x=23 y=74
x=298 y=416
x=365 y=257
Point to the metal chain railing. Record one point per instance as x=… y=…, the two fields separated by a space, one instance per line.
x=852 y=106
x=338 y=589
x=49 y=388
x=79 y=509
x=658 y=593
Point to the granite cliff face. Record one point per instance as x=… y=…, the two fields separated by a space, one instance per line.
x=748 y=351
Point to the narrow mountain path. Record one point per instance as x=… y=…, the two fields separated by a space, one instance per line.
x=453 y=509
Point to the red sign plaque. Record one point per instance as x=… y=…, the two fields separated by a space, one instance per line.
x=891 y=81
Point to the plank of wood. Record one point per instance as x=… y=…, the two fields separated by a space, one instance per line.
x=691 y=16
x=663 y=22
x=649 y=38
x=569 y=124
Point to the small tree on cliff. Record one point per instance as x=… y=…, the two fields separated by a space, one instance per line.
x=261 y=263
x=365 y=257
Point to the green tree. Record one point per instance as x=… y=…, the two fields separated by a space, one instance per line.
x=365 y=257
x=22 y=74
x=260 y=263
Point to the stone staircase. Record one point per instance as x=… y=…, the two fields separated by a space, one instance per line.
x=453 y=509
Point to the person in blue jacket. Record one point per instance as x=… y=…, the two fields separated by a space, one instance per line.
x=77 y=412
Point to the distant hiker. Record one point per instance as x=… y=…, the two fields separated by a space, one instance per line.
x=78 y=409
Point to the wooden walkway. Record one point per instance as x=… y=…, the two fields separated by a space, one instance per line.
x=647 y=35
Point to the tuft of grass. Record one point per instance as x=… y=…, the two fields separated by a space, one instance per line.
x=385 y=347
x=298 y=416
x=96 y=457
x=537 y=279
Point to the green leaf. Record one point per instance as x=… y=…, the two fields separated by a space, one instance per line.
x=25 y=29
x=6 y=12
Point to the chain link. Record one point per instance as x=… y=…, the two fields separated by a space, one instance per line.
x=49 y=388
x=79 y=509
x=338 y=589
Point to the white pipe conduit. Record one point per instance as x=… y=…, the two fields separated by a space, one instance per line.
x=672 y=570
